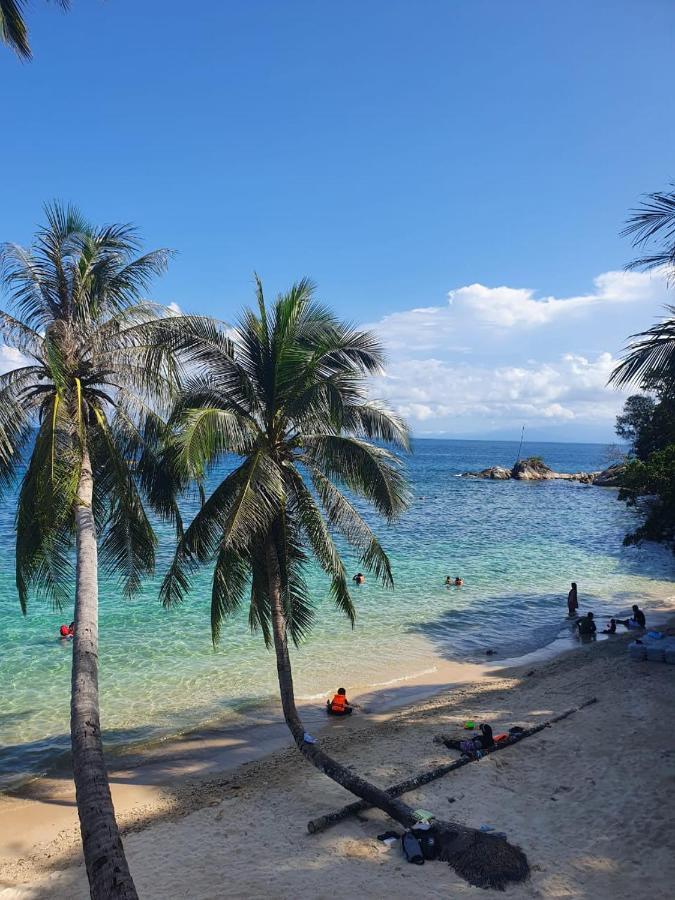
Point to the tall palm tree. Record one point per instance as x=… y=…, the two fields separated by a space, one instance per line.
x=99 y=366
x=291 y=405
x=13 y=31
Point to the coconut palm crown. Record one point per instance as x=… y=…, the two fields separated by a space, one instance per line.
x=291 y=404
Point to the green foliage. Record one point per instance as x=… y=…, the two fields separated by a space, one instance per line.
x=289 y=399
x=101 y=369
x=646 y=424
x=650 y=483
x=534 y=461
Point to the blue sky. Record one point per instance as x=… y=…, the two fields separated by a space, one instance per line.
x=394 y=151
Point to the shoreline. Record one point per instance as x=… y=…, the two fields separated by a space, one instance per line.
x=242 y=718
x=173 y=778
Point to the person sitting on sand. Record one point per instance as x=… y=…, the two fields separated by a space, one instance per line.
x=586 y=625
x=483 y=741
x=637 y=620
x=572 y=601
x=339 y=705
x=459 y=581
x=611 y=627
x=359 y=578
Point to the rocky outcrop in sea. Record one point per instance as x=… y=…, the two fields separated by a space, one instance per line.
x=536 y=470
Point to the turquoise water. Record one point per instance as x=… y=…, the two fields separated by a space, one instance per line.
x=517 y=545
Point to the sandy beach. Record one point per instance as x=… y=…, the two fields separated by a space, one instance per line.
x=589 y=799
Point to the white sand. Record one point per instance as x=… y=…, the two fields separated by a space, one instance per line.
x=590 y=801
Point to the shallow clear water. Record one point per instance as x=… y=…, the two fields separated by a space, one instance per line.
x=516 y=544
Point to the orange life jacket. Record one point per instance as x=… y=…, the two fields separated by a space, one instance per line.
x=338 y=703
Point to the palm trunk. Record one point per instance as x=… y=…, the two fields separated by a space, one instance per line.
x=107 y=868
x=398 y=810
x=482 y=859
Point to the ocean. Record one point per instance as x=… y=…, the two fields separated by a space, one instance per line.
x=517 y=545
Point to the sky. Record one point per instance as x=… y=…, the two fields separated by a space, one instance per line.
x=454 y=174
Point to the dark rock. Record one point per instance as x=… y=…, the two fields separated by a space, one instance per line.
x=532 y=469
x=497 y=473
x=610 y=477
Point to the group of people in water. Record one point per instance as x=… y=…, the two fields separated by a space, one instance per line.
x=586 y=626
x=360 y=578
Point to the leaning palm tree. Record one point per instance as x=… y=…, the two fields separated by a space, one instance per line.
x=13 y=31
x=291 y=405
x=85 y=407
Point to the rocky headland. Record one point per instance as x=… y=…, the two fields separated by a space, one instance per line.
x=535 y=469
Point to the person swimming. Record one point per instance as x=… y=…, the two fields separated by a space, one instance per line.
x=448 y=581
x=458 y=581
x=359 y=578
x=611 y=627
x=339 y=705
x=67 y=631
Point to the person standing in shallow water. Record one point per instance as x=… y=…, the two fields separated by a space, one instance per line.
x=572 y=601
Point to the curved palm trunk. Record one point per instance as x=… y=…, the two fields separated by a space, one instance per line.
x=398 y=810
x=107 y=868
x=482 y=859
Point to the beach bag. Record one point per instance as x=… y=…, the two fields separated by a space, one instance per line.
x=412 y=849
x=427 y=839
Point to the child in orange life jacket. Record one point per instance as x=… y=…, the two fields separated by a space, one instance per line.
x=339 y=705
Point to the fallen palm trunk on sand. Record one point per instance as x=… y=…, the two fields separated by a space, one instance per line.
x=410 y=784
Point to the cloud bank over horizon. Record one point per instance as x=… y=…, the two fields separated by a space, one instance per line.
x=494 y=358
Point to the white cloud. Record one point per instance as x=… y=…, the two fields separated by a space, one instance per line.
x=498 y=309
x=493 y=355
x=572 y=387
x=175 y=309
x=11 y=358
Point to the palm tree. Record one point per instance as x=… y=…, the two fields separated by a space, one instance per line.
x=98 y=368
x=291 y=405
x=13 y=31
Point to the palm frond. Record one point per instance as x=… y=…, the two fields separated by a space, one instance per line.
x=655 y=218
x=127 y=544
x=369 y=471
x=651 y=354
x=230 y=578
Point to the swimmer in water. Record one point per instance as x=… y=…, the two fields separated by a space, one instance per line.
x=448 y=581
x=459 y=581
x=359 y=578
